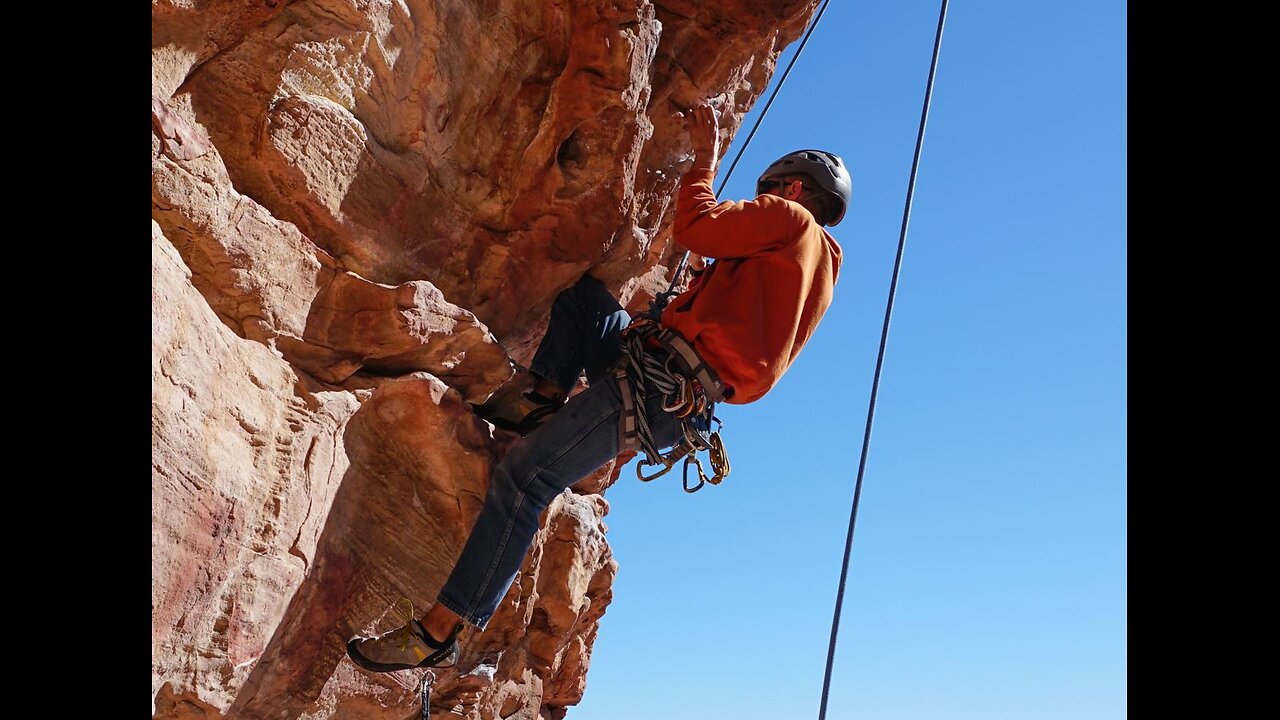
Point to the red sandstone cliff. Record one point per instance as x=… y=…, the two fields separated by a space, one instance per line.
x=361 y=209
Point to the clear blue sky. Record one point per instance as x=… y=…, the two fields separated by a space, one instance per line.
x=988 y=578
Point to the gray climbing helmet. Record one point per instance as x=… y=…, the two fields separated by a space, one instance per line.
x=826 y=169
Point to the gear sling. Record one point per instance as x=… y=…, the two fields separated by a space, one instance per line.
x=690 y=390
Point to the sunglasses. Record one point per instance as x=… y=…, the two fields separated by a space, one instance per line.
x=765 y=186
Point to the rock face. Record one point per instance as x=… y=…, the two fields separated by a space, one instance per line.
x=361 y=212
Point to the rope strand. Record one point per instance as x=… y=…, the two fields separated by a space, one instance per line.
x=804 y=41
x=675 y=279
x=884 y=339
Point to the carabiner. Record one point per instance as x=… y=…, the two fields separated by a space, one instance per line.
x=682 y=399
x=702 y=478
x=719 y=458
x=640 y=472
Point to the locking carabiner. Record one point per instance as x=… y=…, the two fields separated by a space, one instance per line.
x=719 y=458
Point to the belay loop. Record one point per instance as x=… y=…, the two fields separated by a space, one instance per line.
x=689 y=388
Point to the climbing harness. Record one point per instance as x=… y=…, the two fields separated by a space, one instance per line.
x=690 y=389
x=884 y=339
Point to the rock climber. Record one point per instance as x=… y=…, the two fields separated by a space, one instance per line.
x=651 y=381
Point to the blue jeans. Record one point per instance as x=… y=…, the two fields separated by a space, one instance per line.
x=583 y=335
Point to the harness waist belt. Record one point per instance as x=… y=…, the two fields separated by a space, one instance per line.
x=691 y=364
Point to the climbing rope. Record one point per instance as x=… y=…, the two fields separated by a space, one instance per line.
x=664 y=297
x=773 y=95
x=884 y=339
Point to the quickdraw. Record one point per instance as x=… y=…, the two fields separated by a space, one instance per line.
x=687 y=448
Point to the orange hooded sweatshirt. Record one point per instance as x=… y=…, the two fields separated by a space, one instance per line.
x=753 y=309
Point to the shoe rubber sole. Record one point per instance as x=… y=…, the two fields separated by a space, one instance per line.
x=436 y=659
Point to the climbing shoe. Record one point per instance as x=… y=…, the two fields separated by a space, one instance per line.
x=518 y=412
x=407 y=647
